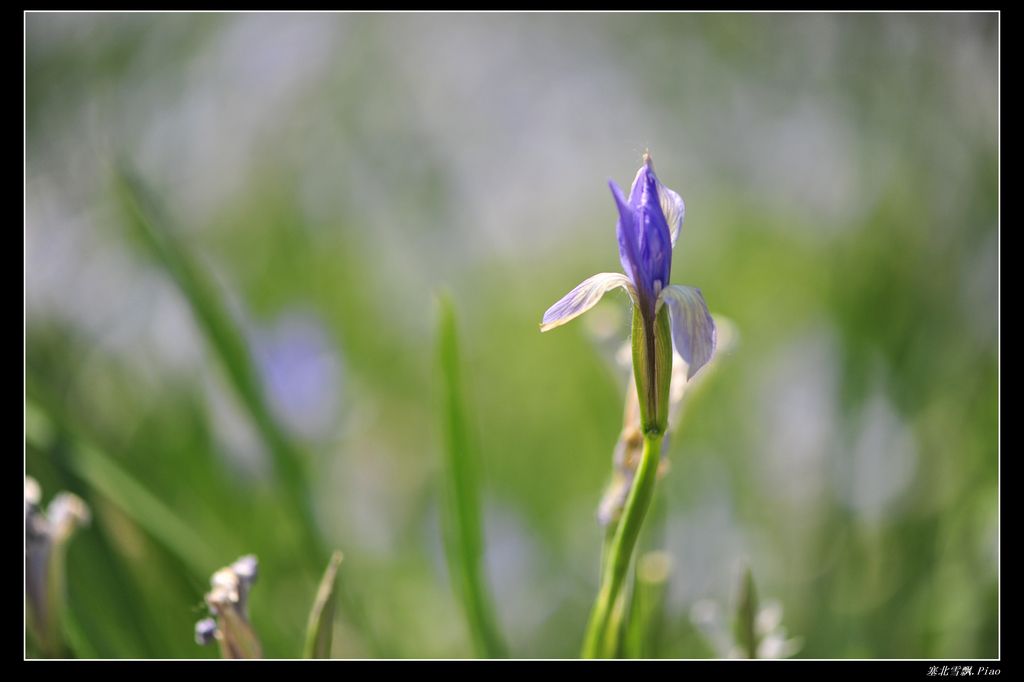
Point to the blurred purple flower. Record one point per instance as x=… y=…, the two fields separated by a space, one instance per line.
x=302 y=374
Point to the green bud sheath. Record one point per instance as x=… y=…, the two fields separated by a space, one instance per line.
x=652 y=367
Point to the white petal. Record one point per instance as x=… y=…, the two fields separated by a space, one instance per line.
x=693 y=330
x=673 y=208
x=584 y=297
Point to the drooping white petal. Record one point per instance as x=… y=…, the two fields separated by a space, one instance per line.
x=584 y=297
x=693 y=330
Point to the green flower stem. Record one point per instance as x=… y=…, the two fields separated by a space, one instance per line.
x=617 y=562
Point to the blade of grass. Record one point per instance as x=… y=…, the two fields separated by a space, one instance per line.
x=150 y=223
x=614 y=636
x=103 y=474
x=649 y=581
x=461 y=512
x=146 y=217
x=75 y=637
x=320 y=628
x=633 y=632
x=746 y=614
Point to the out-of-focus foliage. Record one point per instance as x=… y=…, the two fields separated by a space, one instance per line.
x=329 y=172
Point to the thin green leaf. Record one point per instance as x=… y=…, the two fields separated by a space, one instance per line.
x=614 y=644
x=104 y=475
x=461 y=512
x=650 y=578
x=150 y=223
x=634 y=630
x=147 y=219
x=746 y=613
x=320 y=628
x=79 y=644
x=145 y=508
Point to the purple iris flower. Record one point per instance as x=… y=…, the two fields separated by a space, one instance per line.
x=648 y=227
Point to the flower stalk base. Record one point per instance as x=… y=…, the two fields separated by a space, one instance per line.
x=617 y=561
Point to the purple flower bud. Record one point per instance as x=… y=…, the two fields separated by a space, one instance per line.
x=647 y=229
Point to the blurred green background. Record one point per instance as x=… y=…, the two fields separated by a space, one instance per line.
x=330 y=173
